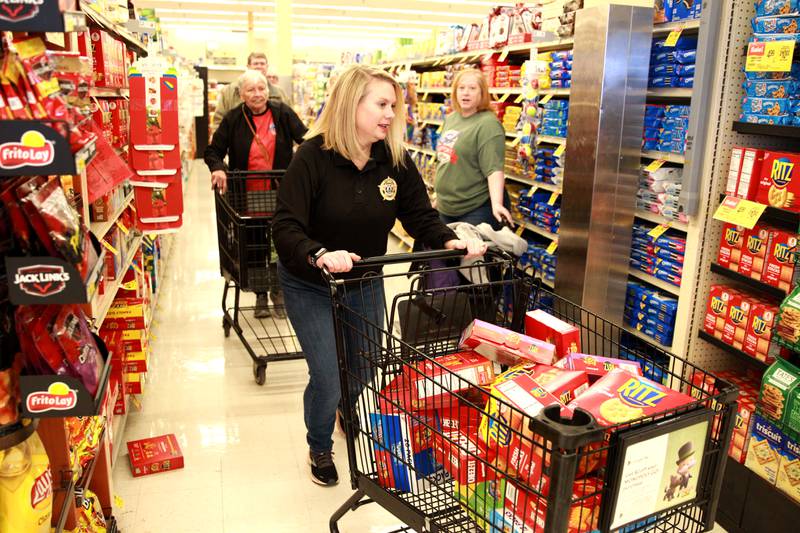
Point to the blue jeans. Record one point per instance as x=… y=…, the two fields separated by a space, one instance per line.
x=309 y=308
x=478 y=216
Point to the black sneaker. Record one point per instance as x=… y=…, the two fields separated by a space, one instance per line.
x=323 y=471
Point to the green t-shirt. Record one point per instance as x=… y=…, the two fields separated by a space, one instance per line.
x=469 y=150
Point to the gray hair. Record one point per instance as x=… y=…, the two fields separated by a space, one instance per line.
x=252 y=76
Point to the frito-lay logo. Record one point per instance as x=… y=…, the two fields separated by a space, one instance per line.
x=58 y=397
x=782 y=169
x=732 y=236
x=33 y=150
x=782 y=252
x=717 y=305
x=41 y=280
x=754 y=244
x=640 y=394
x=759 y=325
x=19 y=10
x=42 y=488
x=737 y=315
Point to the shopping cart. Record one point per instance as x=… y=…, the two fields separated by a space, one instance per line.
x=244 y=231
x=409 y=415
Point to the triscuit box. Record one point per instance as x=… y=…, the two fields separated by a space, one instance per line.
x=763 y=455
x=155 y=454
x=789 y=470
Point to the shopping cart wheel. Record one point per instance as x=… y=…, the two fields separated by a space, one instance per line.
x=260 y=372
x=227 y=327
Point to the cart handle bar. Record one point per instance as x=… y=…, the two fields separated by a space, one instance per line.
x=392 y=259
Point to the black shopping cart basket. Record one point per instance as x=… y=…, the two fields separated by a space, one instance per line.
x=457 y=449
x=246 y=257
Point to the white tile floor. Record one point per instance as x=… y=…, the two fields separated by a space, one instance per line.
x=244 y=445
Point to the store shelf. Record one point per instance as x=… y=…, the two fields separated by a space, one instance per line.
x=659 y=219
x=791 y=132
x=427 y=151
x=655 y=282
x=549 y=139
x=109 y=92
x=759 y=286
x=687 y=26
x=554 y=92
x=665 y=156
x=533 y=183
x=116 y=29
x=101 y=228
x=752 y=361
x=676 y=92
x=536 y=229
x=111 y=291
x=636 y=333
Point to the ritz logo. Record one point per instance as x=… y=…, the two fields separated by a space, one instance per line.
x=782 y=169
x=759 y=325
x=717 y=305
x=737 y=315
x=732 y=236
x=754 y=244
x=783 y=252
x=640 y=394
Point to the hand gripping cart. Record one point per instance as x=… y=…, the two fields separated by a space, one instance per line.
x=247 y=262
x=443 y=454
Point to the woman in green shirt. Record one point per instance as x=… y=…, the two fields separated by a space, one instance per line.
x=470 y=184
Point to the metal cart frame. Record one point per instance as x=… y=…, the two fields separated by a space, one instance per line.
x=244 y=231
x=571 y=452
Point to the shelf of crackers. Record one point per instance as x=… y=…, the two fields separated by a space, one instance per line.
x=483 y=437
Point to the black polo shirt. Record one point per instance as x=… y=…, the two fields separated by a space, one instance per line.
x=325 y=201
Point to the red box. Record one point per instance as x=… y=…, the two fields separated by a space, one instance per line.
x=730 y=246
x=733 y=332
x=505 y=346
x=127 y=313
x=462 y=455
x=153 y=455
x=734 y=170
x=432 y=382
x=777 y=186
x=527 y=512
x=758 y=338
x=748 y=183
x=780 y=268
x=717 y=310
x=544 y=326
x=596 y=366
x=754 y=252
x=566 y=385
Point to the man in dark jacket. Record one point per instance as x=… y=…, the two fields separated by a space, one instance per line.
x=259 y=134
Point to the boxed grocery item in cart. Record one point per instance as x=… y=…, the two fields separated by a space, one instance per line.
x=565 y=337
x=434 y=381
x=620 y=397
x=730 y=246
x=481 y=500
x=505 y=346
x=763 y=456
x=596 y=367
x=788 y=480
x=462 y=455
x=566 y=385
x=155 y=454
x=777 y=186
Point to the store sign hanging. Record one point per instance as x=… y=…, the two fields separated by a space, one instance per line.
x=43 y=280
x=54 y=396
x=31 y=15
x=32 y=148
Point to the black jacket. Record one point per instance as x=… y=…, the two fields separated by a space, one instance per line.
x=234 y=138
x=326 y=201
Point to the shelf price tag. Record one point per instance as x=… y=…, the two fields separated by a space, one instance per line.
x=109 y=247
x=553 y=198
x=122 y=227
x=672 y=38
x=655 y=165
x=558 y=152
x=532 y=190
x=770 y=57
x=516 y=141
x=504 y=97
x=504 y=55
x=552 y=248
x=519 y=98
x=546 y=99
x=739 y=212
x=659 y=230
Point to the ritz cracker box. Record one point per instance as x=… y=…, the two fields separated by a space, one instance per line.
x=155 y=454
x=777 y=186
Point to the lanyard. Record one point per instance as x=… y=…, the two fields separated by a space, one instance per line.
x=259 y=142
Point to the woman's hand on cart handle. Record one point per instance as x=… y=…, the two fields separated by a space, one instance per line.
x=501 y=214
x=337 y=261
x=219 y=181
x=474 y=247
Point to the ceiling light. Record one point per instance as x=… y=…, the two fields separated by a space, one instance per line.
x=335 y=7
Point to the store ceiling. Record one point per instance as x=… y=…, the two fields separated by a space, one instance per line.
x=333 y=19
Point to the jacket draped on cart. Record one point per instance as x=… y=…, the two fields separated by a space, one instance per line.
x=234 y=138
x=325 y=201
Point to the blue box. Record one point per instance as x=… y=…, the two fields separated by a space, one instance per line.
x=771 y=120
x=686 y=9
x=771 y=88
x=765 y=8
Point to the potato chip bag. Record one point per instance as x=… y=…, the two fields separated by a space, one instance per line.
x=26 y=488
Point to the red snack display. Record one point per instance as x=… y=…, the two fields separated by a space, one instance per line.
x=777 y=186
x=733 y=332
x=505 y=346
x=758 y=336
x=780 y=270
x=717 y=311
x=730 y=246
x=153 y=455
x=754 y=252
x=543 y=326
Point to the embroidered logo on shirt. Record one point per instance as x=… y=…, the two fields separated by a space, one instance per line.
x=446 y=148
x=388 y=189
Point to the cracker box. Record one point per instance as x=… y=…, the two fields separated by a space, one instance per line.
x=128 y=313
x=757 y=339
x=778 y=186
x=780 y=268
x=754 y=252
x=433 y=382
x=742 y=429
x=155 y=454
x=134 y=382
x=620 y=397
x=730 y=246
x=566 y=385
x=544 y=326
x=778 y=400
x=505 y=346
x=763 y=455
x=462 y=455
x=749 y=174
x=735 y=327
x=482 y=499
x=135 y=362
x=788 y=480
x=717 y=310
x=595 y=366
x=398 y=396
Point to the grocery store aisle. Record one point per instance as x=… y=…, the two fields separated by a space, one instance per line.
x=244 y=445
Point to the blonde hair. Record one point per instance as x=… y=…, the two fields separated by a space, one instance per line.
x=337 y=123
x=483 y=104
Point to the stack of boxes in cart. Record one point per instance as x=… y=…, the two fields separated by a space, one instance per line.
x=458 y=417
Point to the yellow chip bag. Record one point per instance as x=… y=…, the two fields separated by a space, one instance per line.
x=26 y=488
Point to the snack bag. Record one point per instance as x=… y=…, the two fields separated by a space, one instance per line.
x=26 y=488
x=71 y=332
x=90 y=514
x=9 y=390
